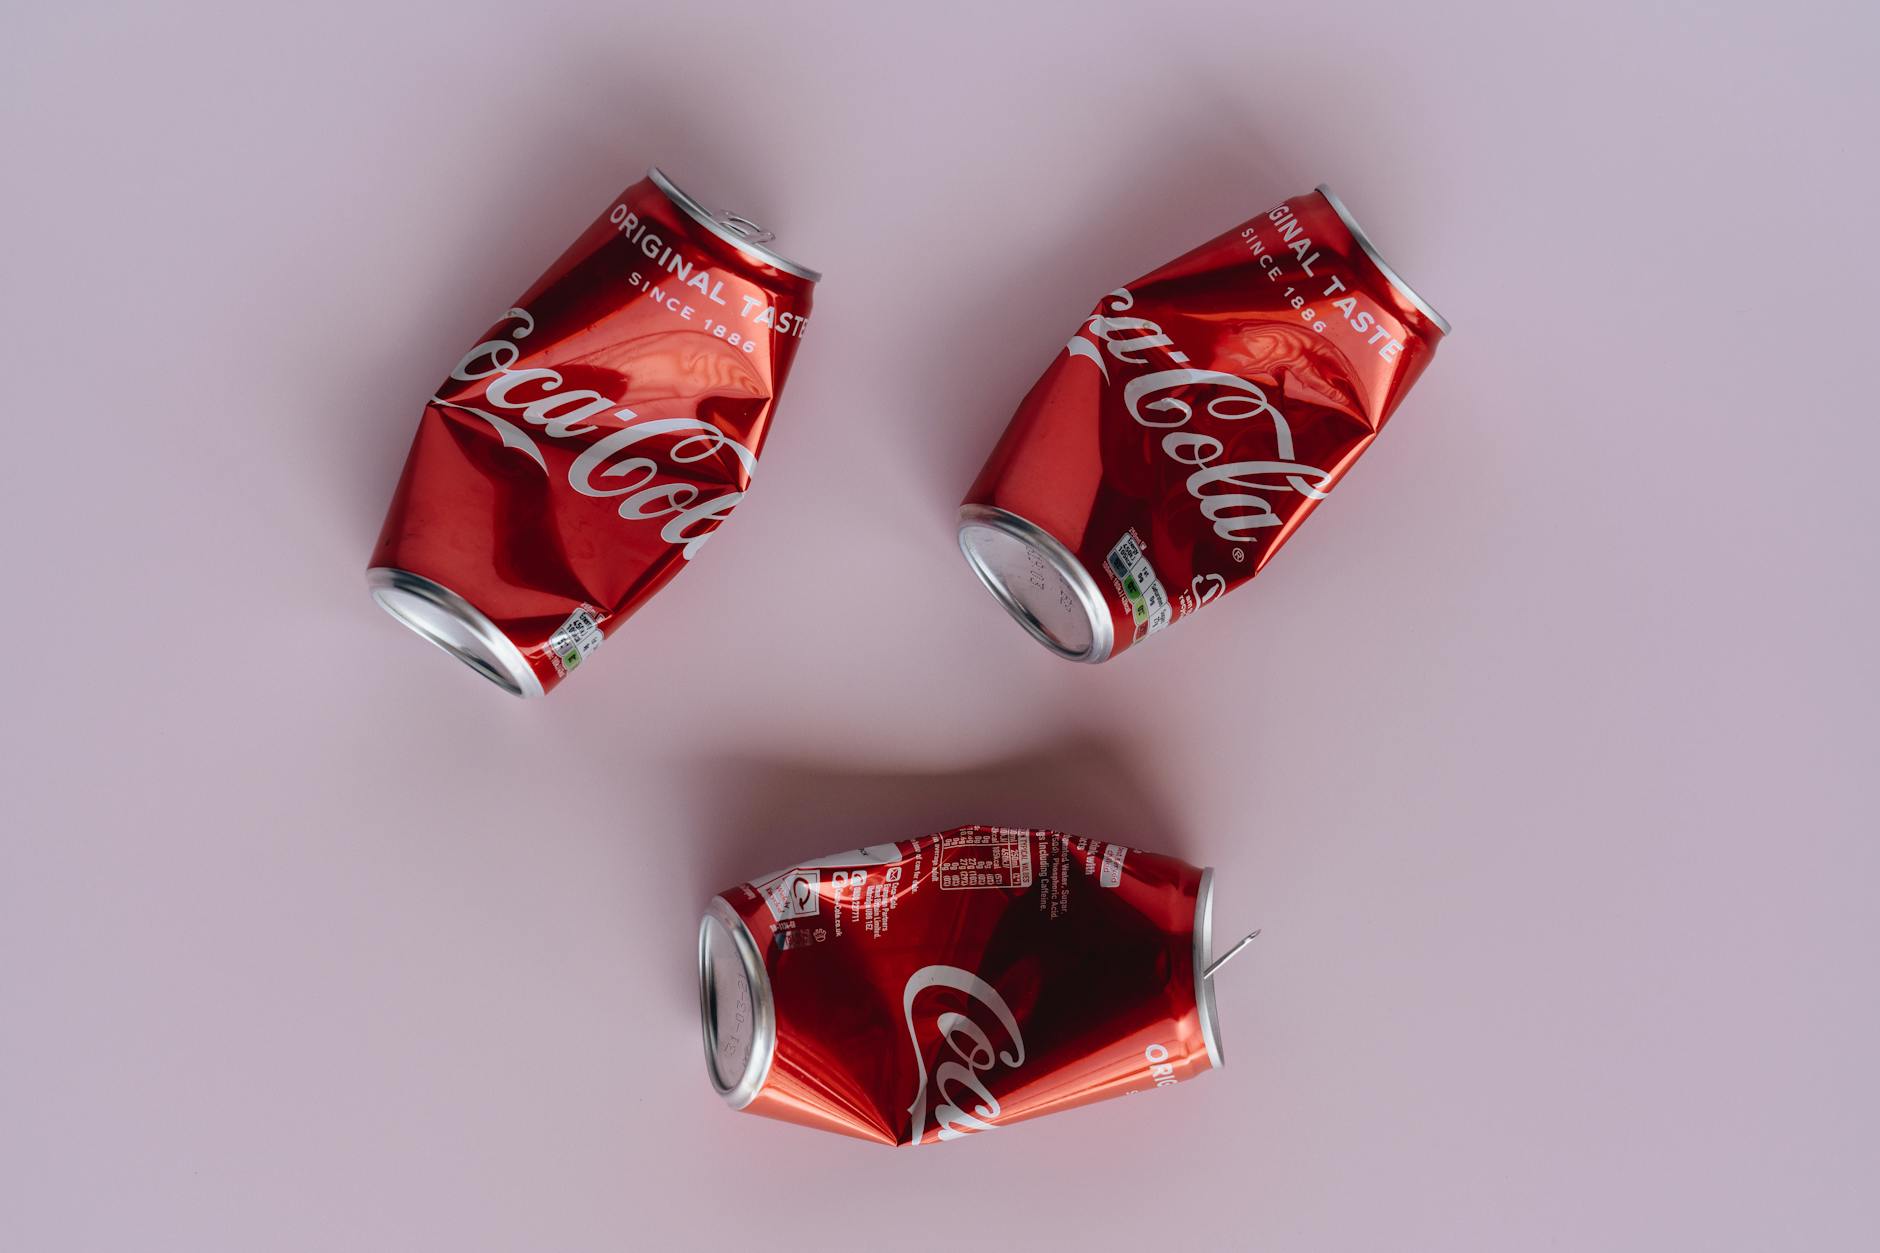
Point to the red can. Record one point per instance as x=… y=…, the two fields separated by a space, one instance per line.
x=1190 y=426
x=578 y=456
x=921 y=991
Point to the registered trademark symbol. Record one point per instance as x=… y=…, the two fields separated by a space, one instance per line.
x=1240 y=554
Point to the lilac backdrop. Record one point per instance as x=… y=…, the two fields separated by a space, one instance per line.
x=1537 y=755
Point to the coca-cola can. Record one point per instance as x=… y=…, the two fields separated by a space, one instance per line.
x=1191 y=424
x=928 y=989
x=595 y=437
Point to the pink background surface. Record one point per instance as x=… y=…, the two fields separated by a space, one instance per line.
x=1536 y=755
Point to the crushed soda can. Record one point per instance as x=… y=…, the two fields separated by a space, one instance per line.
x=928 y=989
x=581 y=453
x=1191 y=425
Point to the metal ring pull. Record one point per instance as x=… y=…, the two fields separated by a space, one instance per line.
x=744 y=226
x=1229 y=955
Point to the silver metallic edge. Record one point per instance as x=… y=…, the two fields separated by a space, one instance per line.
x=763 y=1012
x=1204 y=986
x=1068 y=568
x=1364 y=242
x=709 y=220
x=506 y=666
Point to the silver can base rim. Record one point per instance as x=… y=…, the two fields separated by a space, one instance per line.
x=978 y=520
x=447 y=620
x=722 y=934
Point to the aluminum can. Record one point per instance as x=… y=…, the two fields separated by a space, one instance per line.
x=595 y=437
x=1191 y=424
x=929 y=989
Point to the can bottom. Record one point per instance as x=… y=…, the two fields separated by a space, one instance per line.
x=454 y=625
x=735 y=1011
x=1039 y=581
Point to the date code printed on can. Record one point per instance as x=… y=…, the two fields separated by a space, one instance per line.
x=985 y=857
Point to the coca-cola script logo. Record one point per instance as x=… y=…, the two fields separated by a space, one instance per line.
x=606 y=467
x=956 y=1081
x=1233 y=495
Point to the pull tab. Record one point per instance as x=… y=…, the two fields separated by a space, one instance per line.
x=743 y=227
x=1230 y=954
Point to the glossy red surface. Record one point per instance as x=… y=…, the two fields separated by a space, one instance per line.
x=1207 y=407
x=974 y=978
x=577 y=458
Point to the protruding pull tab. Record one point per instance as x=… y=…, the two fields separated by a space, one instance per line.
x=744 y=227
x=1229 y=955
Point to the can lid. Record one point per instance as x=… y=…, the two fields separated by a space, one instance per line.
x=735 y=229
x=1364 y=242
x=736 y=1012
x=1039 y=581
x=1204 y=983
x=454 y=625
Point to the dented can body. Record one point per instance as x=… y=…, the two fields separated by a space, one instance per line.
x=1191 y=424
x=584 y=449
x=928 y=989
